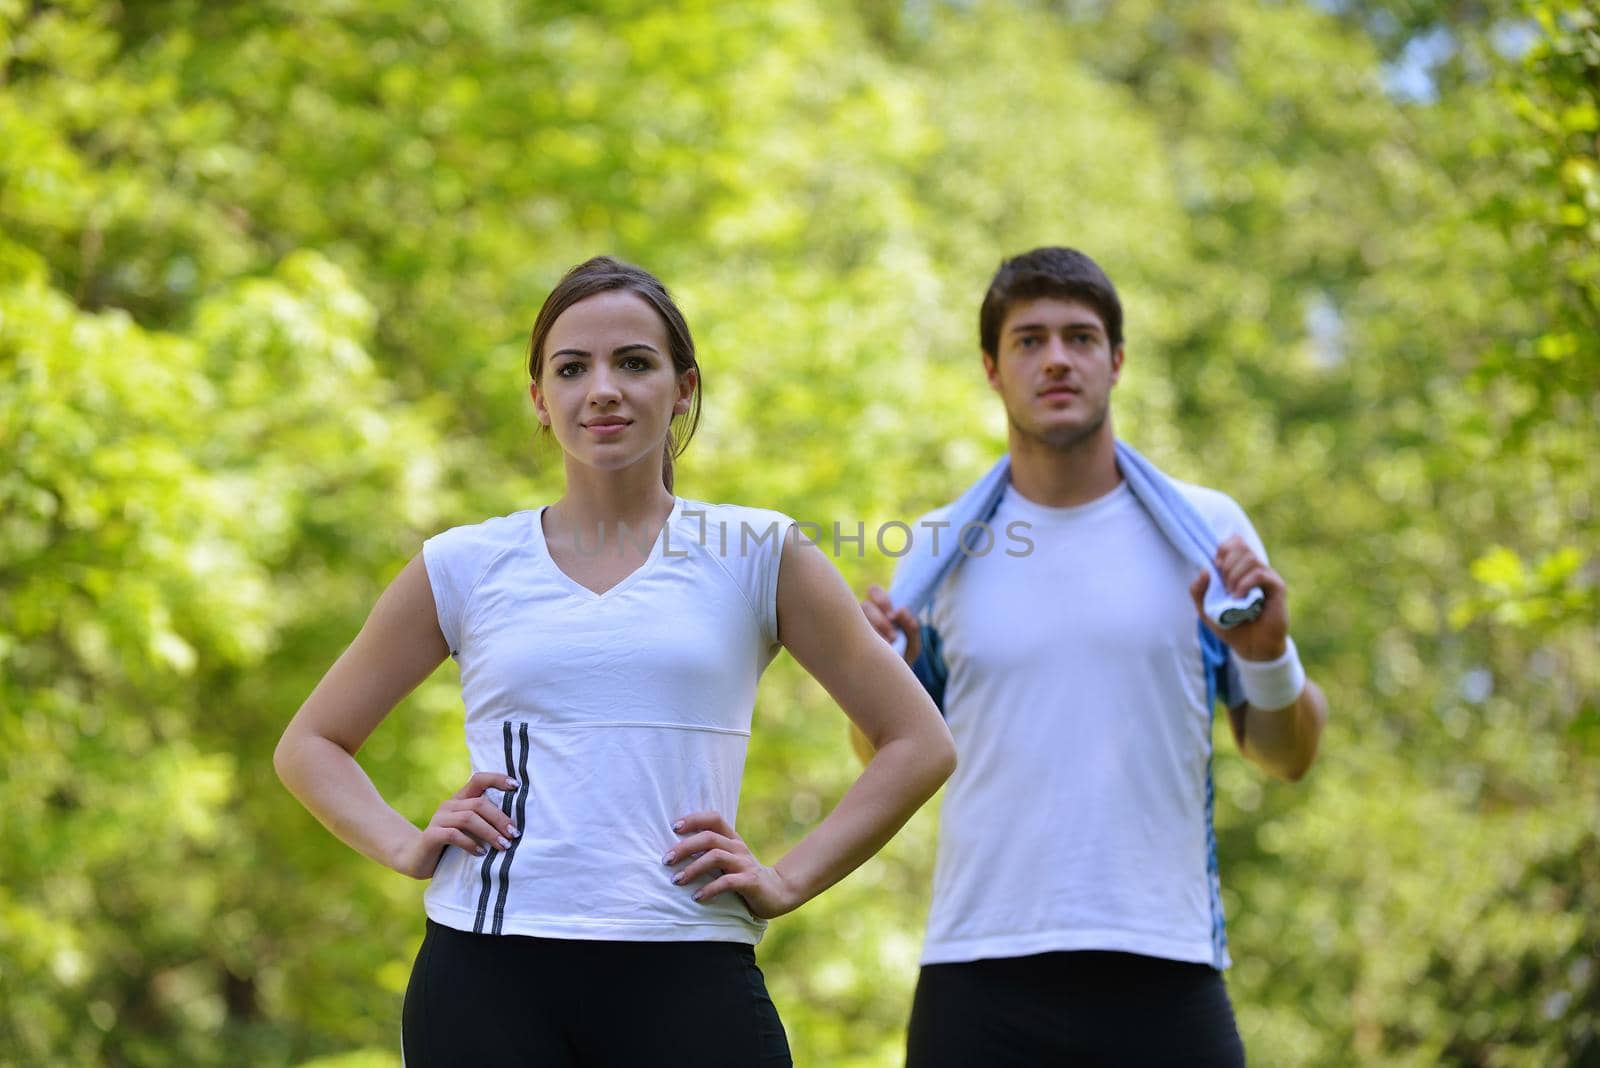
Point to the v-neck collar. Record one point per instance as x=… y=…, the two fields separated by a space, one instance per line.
x=578 y=589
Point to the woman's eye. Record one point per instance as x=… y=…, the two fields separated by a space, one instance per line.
x=636 y=363
x=568 y=370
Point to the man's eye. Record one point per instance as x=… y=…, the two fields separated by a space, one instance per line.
x=1028 y=342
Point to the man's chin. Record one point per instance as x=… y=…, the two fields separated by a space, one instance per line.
x=1063 y=437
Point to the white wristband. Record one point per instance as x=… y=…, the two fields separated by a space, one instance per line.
x=1272 y=684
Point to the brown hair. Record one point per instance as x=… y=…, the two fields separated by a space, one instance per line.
x=1048 y=272
x=603 y=274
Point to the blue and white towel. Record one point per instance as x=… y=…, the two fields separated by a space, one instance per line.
x=922 y=570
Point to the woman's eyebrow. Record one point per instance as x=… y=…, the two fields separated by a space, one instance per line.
x=643 y=346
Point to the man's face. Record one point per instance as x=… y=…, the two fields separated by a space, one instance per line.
x=1054 y=370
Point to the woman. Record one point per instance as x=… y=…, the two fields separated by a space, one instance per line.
x=590 y=900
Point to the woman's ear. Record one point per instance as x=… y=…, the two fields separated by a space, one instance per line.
x=538 y=403
x=688 y=382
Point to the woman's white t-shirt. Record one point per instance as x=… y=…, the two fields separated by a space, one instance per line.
x=617 y=713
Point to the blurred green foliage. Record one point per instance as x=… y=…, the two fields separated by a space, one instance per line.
x=264 y=274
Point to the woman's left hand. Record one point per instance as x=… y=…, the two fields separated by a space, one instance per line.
x=716 y=848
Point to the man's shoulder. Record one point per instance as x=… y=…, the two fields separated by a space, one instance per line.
x=1222 y=514
x=1217 y=508
x=940 y=515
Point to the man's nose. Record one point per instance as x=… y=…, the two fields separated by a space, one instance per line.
x=1055 y=353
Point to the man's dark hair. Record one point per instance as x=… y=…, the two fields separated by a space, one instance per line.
x=1053 y=271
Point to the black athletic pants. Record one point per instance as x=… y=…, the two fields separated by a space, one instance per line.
x=507 y=1001
x=1080 y=1008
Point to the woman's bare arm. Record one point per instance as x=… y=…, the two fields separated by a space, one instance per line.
x=399 y=646
x=820 y=623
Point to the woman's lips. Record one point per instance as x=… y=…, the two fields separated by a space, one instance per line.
x=607 y=429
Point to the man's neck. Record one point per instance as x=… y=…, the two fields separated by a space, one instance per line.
x=1056 y=477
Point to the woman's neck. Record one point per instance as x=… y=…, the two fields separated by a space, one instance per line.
x=594 y=498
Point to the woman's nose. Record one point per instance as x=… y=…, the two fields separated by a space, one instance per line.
x=602 y=387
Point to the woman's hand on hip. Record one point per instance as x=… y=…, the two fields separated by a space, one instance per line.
x=710 y=846
x=467 y=819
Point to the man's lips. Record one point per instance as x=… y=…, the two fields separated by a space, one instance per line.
x=1058 y=391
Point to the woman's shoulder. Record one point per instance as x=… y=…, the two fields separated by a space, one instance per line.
x=747 y=544
x=492 y=535
x=732 y=531
x=733 y=516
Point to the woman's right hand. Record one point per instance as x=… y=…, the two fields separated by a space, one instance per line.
x=468 y=819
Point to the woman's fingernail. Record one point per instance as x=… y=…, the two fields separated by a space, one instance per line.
x=678 y=879
x=698 y=894
x=478 y=851
x=678 y=826
x=514 y=831
x=503 y=843
x=669 y=858
x=512 y=784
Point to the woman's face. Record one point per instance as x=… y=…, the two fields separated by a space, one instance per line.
x=607 y=389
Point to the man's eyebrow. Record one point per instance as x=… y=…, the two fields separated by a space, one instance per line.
x=1083 y=324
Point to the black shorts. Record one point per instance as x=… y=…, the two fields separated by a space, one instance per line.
x=509 y=1000
x=1080 y=1008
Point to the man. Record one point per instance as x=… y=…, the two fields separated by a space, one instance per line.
x=1076 y=915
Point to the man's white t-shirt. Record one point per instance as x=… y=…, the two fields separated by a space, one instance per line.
x=1079 y=816
x=617 y=713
